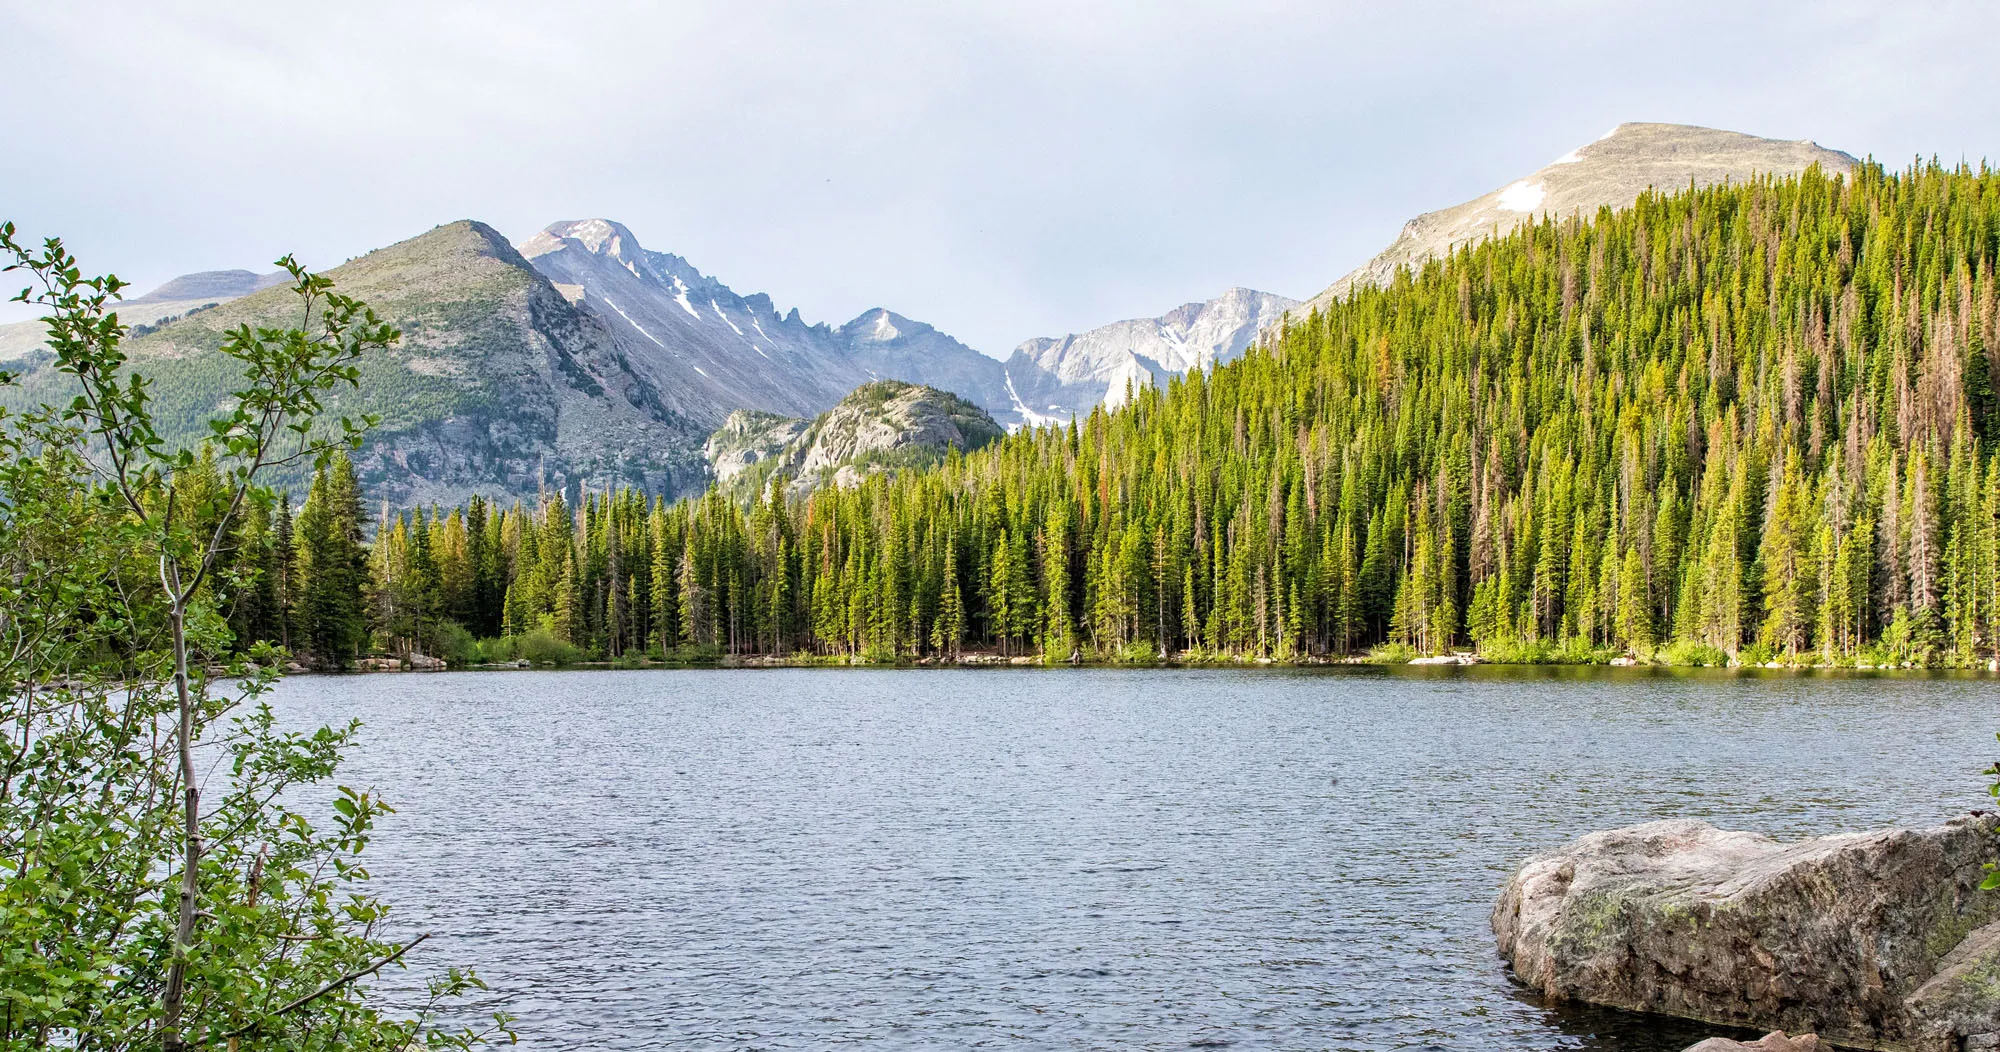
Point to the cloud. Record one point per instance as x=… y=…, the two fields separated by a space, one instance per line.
x=1002 y=171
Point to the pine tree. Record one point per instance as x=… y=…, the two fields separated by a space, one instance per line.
x=948 y=630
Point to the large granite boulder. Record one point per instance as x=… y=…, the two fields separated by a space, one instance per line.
x=1873 y=940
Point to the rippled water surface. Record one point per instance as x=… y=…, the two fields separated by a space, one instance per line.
x=807 y=859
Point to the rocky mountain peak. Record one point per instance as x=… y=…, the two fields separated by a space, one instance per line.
x=881 y=325
x=602 y=237
x=23 y=340
x=1609 y=173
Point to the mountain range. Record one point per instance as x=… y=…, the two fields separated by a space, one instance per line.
x=579 y=357
x=708 y=350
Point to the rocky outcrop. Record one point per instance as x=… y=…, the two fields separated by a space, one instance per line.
x=1873 y=940
x=748 y=437
x=883 y=426
x=886 y=345
x=885 y=417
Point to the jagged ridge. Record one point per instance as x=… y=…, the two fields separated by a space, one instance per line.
x=1053 y=379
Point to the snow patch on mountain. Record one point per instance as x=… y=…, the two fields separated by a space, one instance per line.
x=712 y=305
x=681 y=297
x=1029 y=416
x=1522 y=196
x=628 y=319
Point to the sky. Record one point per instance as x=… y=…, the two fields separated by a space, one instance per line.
x=1000 y=170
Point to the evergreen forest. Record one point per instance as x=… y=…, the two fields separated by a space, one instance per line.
x=1747 y=423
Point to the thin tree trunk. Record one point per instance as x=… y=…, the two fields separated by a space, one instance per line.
x=170 y=1024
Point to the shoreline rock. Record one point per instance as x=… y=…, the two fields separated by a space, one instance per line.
x=1877 y=940
x=1775 y=1041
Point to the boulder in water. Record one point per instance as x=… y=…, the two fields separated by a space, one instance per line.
x=1875 y=940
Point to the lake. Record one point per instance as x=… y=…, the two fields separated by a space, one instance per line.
x=1078 y=859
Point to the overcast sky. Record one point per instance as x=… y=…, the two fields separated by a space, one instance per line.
x=1002 y=171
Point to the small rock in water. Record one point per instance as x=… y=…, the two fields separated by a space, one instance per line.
x=1775 y=1041
x=1447 y=659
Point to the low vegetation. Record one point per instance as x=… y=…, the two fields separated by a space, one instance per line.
x=176 y=868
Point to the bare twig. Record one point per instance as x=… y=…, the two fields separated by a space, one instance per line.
x=331 y=987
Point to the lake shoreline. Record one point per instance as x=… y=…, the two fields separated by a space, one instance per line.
x=388 y=664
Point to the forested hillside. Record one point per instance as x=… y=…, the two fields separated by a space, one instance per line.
x=1748 y=421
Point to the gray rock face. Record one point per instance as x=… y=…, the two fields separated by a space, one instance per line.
x=749 y=437
x=709 y=351
x=1053 y=379
x=1873 y=940
x=882 y=426
x=1609 y=173
x=886 y=345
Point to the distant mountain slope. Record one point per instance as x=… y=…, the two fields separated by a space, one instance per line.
x=887 y=425
x=709 y=350
x=499 y=385
x=885 y=344
x=1611 y=172
x=20 y=341
x=208 y=286
x=1051 y=380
